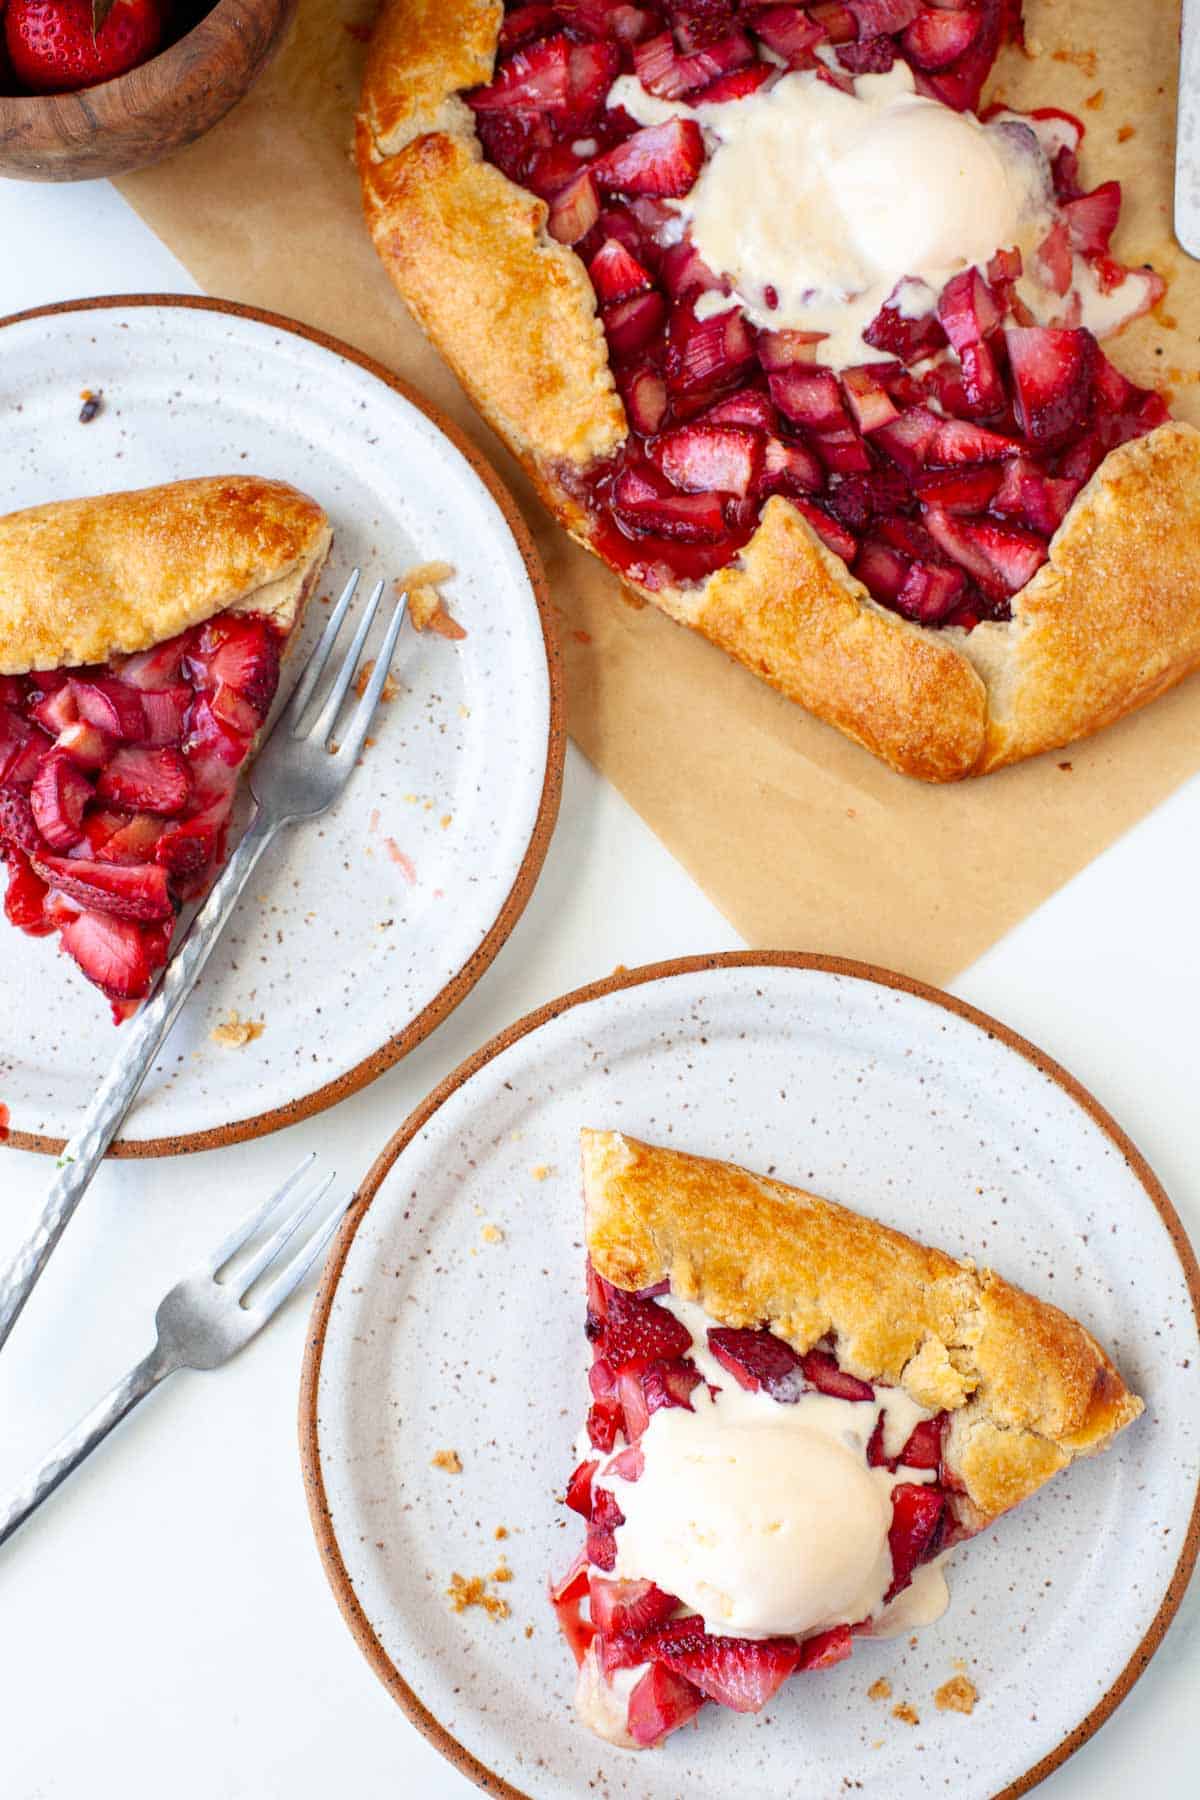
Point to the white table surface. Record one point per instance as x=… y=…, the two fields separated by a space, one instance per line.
x=167 y=1628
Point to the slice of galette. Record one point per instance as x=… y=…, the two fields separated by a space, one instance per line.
x=805 y=345
x=140 y=643
x=796 y=1412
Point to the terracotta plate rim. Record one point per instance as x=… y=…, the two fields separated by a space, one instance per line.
x=239 y=1131
x=310 y=1450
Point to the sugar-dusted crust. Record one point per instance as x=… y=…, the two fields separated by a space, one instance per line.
x=1112 y=620
x=1026 y=1387
x=82 y=580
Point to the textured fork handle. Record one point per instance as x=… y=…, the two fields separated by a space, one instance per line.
x=91 y=1430
x=117 y=1092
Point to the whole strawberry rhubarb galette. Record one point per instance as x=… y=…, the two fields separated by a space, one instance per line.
x=802 y=348
x=140 y=643
x=796 y=1412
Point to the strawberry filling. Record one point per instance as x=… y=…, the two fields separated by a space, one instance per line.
x=640 y=1349
x=115 y=791
x=938 y=473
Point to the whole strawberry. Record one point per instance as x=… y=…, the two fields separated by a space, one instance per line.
x=58 y=45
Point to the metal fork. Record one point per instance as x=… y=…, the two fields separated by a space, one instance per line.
x=201 y=1323
x=294 y=777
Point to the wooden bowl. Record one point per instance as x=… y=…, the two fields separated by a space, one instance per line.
x=154 y=109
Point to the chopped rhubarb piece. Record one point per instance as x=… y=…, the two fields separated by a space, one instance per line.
x=1052 y=375
x=1039 y=501
x=924 y=1447
x=750 y=408
x=757 y=1359
x=937 y=38
x=808 y=396
x=823 y=1372
x=779 y=350
x=54 y=712
x=1005 y=267
x=579 y=1489
x=983 y=389
x=968 y=489
x=790 y=33
x=1092 y=218
x=153 y=670
x=628 y=1606
x=909 y=339
x=135 y=891
x=682 y=518
x=574 y=210
x=834 y=536
x=606 y=1516
x=58 y=796
x=630 y=325
x=151 y=780
x=908 y=439
x=836 y=21
x=879 y=18
x=1052 y=259
x=110 y=705
x=960 y=441
x=166 y=714
x=930 y=592
x=685 y=273
x=735 y=86
x=789 y=469
x=115 y=954
x=843 y=451
x=917 y=1514
x=741 y=1673
x=1000 y=558
x=644 y=1387
x=660 y=1703
x=645 y=395
x=826 y=1648
x=660 y=159
x=967 y=309
x=709 y=458
x=638 y=1331
x=706 y=354
x=616 y=273
x=534 y=79
x=663 y=71
x=869 y=400
x=881 y=569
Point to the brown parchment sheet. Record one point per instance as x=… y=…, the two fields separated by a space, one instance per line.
x=801 y=839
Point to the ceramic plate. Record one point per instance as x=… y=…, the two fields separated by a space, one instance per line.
x=433 y=1333
x=394 y=903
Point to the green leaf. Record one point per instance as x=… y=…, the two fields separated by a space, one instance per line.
x=100 y=12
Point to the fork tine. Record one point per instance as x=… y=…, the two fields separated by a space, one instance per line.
x=326 y=719
x=289 y=1278
x=267 y=1252
x=249 y=1225
x=315 y=666
x=364 y=712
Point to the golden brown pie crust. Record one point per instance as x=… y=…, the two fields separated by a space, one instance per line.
x=1108 y=623
x=82 y=580
x=1026 y=1387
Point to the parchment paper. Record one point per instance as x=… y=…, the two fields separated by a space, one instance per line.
x=800 y=838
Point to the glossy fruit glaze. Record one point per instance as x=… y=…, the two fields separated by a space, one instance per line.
x=938 y=473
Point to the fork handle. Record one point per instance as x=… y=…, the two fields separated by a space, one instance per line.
x=117 y=1092
x=91 y=1430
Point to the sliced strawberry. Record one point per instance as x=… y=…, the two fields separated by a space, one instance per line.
x=86 y=745
x=879 y=18
x=662 y=71
x=709 y=458
x=836 y=21
x=1092 y=218
x=779 y=350
x=154 y=670
x=54 y=712
x=188 y=850
x=233 y=709
x=660 y=1703
x=826 y=1648
x=631 y=324
x=126 y=840
x=1052 y=374
x=792 y=34
x=909 y=438
x=603 y=1423
x=983 y=389
x=1005 y=267
x=243 y=652
x=147 y=780
x=573 y=1585
x=616 y=272
x=834 y=536
x=644 y=1387
x=605 y=1518
x=685 y=272
x=706 y=355
x=115 y=954
x=789 y=469
x=645 y=395
x=17 y=824
x=757 y=1359
x=843 y=451
x=25 y=897
x=535 y=79
x=620 y=1607
x=930 y=592
x=917 y=1516
x=750 y=407
x=907 y=338
x=741 y=1673
x=960 y=441
x=823 y=1372
x=924 y=1447
x=1001 y=559
x=574 y=210
x=1052 y=259
x=110 y=705
x=525 y=22
x=968 y=489
x=58 y=796
x=808 y=396
x=936 y=38
x=22 y=747
x=659 y=159
x=881 y=569
x=967 y=309
x=1039 y=501
x=680 y=518
x=639 y=1331
x=579 y=1489
x=630 y=1463
x=735 y=86
x=578 y=1632
x=858 y=498
x=166 y=713
x=136 y=891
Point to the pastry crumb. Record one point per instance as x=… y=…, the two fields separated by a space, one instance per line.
x=93 y=403
x=391 y=687
x=426 y=607
x=234 y=1032
x=466 y=1591
x=1083 y=60
x=880 y=1690
x=501 y=1533
x=1095 y=101
x=908 y=1715
x=959 y=1694
x=449 y=1460
x=1125 y=133
x=540 y=1171
x=446 y=820
x=529 y=1631
x=428 y=574
x=492 y=1234
x=502 y=1572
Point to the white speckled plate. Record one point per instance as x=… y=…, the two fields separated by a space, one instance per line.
x=393 y=904
x=430 y=1335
